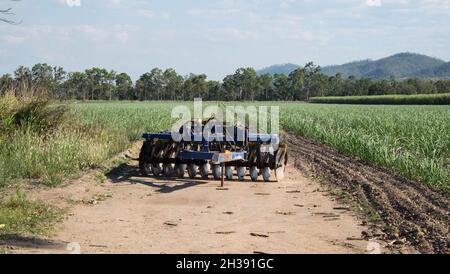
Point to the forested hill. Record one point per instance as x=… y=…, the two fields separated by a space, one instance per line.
x=401 y=66
x=285 y=69
x=439 y=72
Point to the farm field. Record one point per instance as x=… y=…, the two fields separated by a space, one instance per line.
x=412 y=141
x=418 y=99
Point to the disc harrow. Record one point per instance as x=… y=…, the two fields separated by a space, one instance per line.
x=234 y=153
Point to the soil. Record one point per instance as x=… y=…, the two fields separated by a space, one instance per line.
x=408 y=212
x=328 y=203
x=128 y=213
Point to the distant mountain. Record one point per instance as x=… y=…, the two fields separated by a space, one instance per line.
x=354 y=68
x=402 y=66
x=439 y=72
x=278 y=69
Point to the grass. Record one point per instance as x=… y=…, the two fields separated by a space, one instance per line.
x=420 y=99
x=19 y=216
x=46 y=143
x=93 y=134
x=50 y=159
x=130 y=119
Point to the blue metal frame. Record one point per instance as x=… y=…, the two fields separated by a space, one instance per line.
x=162 y=136
x=260 y=138
x=216 y=157
x=196 y=155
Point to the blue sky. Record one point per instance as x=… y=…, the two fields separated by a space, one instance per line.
x=216 y=37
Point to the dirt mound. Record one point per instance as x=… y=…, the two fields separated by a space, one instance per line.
x=409 y=212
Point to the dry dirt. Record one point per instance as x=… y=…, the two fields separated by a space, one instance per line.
x=131 y=214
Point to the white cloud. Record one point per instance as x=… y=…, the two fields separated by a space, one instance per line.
x=122 y=36
x=213 y=12
x=73 y=3
x=98 y=36
x=12 y=39
x=287 y=3
x=70 y=3
x=373 y=3
x=146 y=13
x=224 y=34
x=153 y=14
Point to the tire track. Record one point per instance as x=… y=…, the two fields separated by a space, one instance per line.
x=408 y=210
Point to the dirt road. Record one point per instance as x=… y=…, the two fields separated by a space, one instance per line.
x=127 y=213
x=131 y=214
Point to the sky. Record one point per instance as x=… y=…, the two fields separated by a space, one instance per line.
x=216 y=37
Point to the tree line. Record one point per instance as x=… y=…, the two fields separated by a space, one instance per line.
x=245 y=84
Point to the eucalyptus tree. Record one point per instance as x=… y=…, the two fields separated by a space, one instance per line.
x=124 y=87
x=172 y=84
x=266 y=85
x=6 y=83
x=76 y=86
x=23 y=81
x=195 y=86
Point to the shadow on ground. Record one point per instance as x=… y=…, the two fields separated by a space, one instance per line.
x=17 y=241
x=127 y=173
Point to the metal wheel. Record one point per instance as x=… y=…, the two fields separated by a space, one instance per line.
x=157 y=170
x=266 y=174
x=229 y=173
x=254 y=173
x=281 y=162
x=217 y=172
x=241 y=173
x=192 y=171
x=144 y=165
x=204 y=171
x=168 y=170
x=181 y=170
